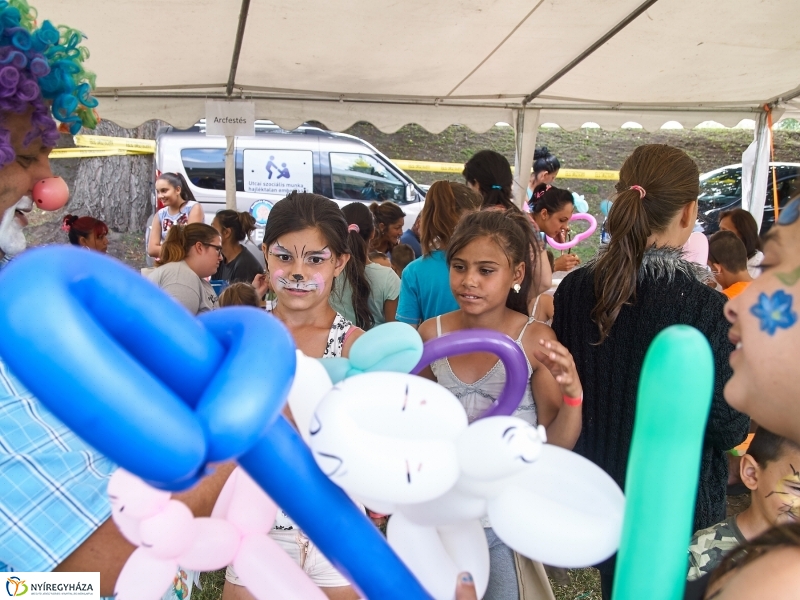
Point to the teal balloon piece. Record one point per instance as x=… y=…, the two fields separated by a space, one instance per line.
x=392 y=346
x=675 y=391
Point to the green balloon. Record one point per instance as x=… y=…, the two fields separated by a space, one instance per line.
x=675 y=391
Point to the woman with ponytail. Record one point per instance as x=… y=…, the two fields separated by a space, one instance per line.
x=608 y=312
x=239 y=264
x=373 y=298
x=489 y=174
x=86 y=232
x=425 y=287
x=545 y=170
x=189 y=255
x=180 y=208
x=551 y=209
x=389 y=218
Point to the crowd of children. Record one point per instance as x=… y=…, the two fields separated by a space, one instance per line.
x=483 y=264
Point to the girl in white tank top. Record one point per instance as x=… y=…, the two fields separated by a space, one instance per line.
x=489 y=259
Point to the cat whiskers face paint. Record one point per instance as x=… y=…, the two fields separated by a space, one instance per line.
x=288 y=280
x=788 y=488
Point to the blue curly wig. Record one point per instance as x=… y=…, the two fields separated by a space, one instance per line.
x=42 y=67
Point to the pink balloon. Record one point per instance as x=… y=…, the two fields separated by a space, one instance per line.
x=251 y=510
x=221 y=506
x=133 y=497
x=51 y=193
x=215 y=545
x=696 y=248
x=578 y=238
x=144 y=577
x=170 y=533
x=128 y=526
x=268 y=572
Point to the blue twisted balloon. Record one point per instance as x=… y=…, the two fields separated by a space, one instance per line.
x=212 y=391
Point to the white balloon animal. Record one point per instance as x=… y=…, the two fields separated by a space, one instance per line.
x=402 y=445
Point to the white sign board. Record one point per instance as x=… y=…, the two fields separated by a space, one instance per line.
x=278 y=172
x=230 y=118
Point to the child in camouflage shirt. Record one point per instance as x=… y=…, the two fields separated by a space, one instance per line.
x=771 y=470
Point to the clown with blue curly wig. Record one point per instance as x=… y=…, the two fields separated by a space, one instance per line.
x=44 y=89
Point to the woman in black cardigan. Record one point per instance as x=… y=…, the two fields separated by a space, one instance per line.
x=608 y=312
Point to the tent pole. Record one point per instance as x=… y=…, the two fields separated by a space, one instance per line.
x=230 y=157
x=527 y=126
x=237 y=46
x=230 y=173
x=760 y=172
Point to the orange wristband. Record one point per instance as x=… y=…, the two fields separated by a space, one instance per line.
x=569 y=401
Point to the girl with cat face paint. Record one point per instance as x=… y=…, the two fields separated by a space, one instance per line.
x=306 y=246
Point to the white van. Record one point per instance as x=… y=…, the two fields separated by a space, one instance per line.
x=274 y=162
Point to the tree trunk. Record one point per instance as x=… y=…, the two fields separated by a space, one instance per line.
x=117 y=189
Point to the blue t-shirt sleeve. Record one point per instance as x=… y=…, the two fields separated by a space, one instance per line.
x=408 y=307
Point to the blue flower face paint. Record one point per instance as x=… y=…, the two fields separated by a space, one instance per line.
x=790 y=214
x=774 y=312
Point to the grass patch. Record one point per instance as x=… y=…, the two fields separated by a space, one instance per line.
x=584 y=585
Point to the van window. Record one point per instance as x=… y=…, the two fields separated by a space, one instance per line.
x=362 y=177
x=205 y=167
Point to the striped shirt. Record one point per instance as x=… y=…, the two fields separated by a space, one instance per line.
x=52 y=485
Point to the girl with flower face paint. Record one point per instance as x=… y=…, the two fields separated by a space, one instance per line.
x=766 y=334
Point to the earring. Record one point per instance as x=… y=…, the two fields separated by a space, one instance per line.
x=517 y=287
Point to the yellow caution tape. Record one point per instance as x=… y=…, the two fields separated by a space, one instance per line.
x=588 y=174
x=98 y=145
x=442 y=167
x=435 y=167
x=94 y=152
x=102 y=141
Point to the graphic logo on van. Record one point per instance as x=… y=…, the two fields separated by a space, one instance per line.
x=283 y=172
x=260 y=210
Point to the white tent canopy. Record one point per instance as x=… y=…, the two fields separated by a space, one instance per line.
x=471 y=62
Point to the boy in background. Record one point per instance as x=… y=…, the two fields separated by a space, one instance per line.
x=771 y=471
x=402 y=254
x=727 y=258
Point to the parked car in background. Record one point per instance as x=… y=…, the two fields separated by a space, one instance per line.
x=721 y=191
x=274 y=162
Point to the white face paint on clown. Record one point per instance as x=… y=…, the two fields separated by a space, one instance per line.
x=14 y=220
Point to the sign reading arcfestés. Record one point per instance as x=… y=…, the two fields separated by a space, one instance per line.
x=230 y=118
x=53 y=586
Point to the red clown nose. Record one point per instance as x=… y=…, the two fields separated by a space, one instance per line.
x=51 y=193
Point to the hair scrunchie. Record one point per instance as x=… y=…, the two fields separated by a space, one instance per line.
x=639 y=189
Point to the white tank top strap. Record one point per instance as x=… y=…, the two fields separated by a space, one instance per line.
x=439 y=326
x=522 y=332
x=535 y=304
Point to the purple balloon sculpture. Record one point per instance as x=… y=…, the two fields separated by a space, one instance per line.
x=484 y=340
